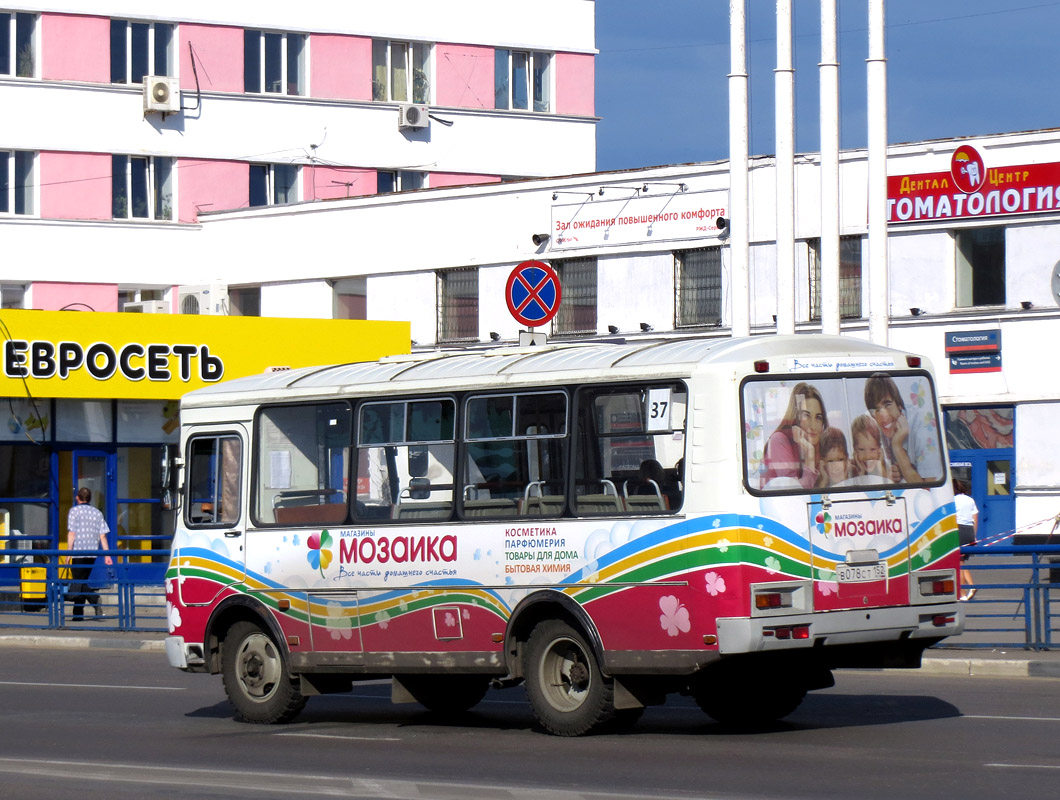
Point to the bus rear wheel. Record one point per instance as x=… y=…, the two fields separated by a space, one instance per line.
x=569 y=694
x=446 y=694
x=255 y=677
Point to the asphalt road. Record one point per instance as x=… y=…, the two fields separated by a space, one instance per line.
x=122 y=724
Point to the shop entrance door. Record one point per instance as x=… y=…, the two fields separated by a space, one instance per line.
x=990 y=474
x=95 y=469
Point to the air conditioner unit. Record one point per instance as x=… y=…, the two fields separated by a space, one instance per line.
x=211 y=299
x=161 y=94
x=146 y=307
x=413 y=116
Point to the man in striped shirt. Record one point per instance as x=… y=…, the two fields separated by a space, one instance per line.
x=86 y=530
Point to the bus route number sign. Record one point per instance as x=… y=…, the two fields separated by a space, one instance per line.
x=533 y=293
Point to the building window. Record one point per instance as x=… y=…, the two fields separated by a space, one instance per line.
x=18 y=45
x=17 y=181
x=273 y=184
x=401 y=71
x=244 y=301
x=458 y=305
x=351 y=298
x=849 y=277
x=577 y=311
x=140 y=48
x=697 y=277
x=522 y=78
x=274 y=63
x=388 y=181
x=980 y=267
x=12 y=295
x=142 y=188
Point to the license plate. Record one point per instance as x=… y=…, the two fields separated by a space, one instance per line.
x=860 y=573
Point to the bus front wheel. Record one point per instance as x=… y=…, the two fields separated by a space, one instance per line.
x=568 y=693
x=255 y=677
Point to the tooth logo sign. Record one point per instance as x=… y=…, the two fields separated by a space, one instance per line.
x=967 y=170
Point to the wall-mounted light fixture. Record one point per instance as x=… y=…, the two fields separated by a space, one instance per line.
x=494 y=336
x=558 y=192
x=916 y=311
x=644 y=326
x=635 y=189
x=612 y=329
x=1026 y=304
x=681 y=187
x=539 y=239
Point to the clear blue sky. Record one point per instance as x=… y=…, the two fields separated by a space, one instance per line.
x=955 y=68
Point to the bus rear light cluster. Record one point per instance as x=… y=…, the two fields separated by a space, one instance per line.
x=942 y=620
x=933 y=587
x=788 y=632
x=765 y=600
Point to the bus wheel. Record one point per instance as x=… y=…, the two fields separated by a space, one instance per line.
x=748 y=704
x=446 y=694
x=255 y=677
x=568 y=692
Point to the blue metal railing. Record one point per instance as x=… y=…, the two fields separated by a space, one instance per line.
x=1016 y=587
x=35 y=584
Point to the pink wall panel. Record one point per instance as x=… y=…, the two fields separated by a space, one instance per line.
x=211 y=186
x=329 y=183
x=340 y=67
x=575 y=82
x=75 y=186
x=439 y=179
x=56 y=296
x=220 y=58
x=75 y=48
x=463 y=76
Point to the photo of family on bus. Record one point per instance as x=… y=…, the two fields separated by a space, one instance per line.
x=837 y=432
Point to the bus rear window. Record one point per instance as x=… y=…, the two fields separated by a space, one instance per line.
x=823 y=433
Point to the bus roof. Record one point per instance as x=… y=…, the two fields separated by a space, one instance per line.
x=453 y=369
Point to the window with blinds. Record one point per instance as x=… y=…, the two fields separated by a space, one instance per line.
x=577 y=308
x=697 y=280
x=458 y=305
x=849 y=277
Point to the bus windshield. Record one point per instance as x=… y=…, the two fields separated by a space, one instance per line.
x=834 y=433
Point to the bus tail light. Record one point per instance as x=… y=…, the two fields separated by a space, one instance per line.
x=937 y=586
x=788 y=631
x=764 y=600
x=912 y=361
x=761 y=366
x=942 y=620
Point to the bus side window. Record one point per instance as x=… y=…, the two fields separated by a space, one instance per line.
x=214 y=470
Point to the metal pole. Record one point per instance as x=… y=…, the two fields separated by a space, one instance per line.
x=829 y=71
x=879 y=285
x=784 y=81
x=739 y=206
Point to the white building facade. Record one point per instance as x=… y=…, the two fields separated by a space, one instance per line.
x=972 y=276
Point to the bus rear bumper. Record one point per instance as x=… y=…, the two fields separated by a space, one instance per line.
x=839 y=628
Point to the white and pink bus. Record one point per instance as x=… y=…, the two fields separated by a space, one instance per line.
x=605 y=523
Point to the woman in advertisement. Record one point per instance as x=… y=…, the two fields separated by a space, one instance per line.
x=794 y=448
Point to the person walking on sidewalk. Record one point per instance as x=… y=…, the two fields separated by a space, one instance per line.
x=86 y=530
x=968 y=529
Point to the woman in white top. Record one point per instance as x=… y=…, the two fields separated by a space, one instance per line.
x=967 y=528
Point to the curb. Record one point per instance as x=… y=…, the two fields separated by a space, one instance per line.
x=990 y=667
x=82 y=642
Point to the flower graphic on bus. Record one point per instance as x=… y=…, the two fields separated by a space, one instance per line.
x=715 y=584
x=319 y=555
x=824 y=522
x=674 y=617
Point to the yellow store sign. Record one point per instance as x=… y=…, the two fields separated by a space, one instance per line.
x=162 y=356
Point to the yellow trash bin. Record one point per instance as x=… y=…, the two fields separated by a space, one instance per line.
x=34 y=588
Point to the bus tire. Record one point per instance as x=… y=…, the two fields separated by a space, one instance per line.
x=568 y=693
x=255 y=676
x=446 y=694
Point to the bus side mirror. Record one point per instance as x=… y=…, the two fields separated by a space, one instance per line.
x=167 y=475
x=420 y=489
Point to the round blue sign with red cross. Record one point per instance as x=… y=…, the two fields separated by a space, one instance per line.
x=533 y=293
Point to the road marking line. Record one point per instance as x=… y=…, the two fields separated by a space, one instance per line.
x=339 y=736
x=1024 y=766
x=1012 y=719
x=94 y=686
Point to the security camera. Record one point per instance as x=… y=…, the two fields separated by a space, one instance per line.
x=539 y=239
